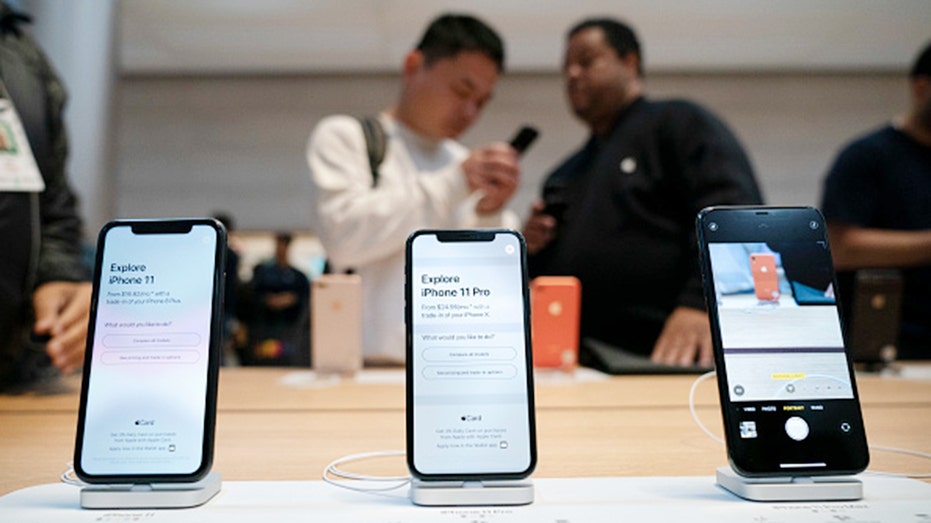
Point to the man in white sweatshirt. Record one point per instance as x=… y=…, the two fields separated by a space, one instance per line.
x=425 y=180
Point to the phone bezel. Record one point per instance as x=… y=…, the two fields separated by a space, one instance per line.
x=761 y=224
x=467 y=235
x=159 y=226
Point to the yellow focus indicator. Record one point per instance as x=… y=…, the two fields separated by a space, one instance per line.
x=788 y=376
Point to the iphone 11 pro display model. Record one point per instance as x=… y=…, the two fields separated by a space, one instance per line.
x=787 y=389
x=470 y=408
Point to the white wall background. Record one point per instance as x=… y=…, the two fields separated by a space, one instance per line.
x=193 y=145
x=214 y=99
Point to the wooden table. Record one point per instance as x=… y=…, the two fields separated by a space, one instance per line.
x=284 y=424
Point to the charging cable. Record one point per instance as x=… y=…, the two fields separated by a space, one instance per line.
x=880 y=448
x=69 y=478
x=332 y=474
x=698 y=422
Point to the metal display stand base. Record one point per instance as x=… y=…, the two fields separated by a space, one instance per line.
x=155 y=495
x=789 y=488
x=471 y=493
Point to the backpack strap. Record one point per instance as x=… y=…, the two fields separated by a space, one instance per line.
x=375 y=143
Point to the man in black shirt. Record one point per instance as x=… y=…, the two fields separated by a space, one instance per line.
x=877 y=202
x=619 y=214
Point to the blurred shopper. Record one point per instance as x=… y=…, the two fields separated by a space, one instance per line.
x=365 y=207
x=619 y=214
x=280 y=329
x=44 y=300
x=877 y=202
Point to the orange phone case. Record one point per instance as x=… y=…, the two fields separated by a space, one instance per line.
x=555 y=306
x=765 y=278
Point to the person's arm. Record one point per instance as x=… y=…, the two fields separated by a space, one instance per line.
x=850 y=204
x=854 y=247
x=492 y=171
x=61 y=297
x=540 y=228
x=62 y=309
x=685 y=339
x=715 y=170
x=358 y=223
x=61 y=301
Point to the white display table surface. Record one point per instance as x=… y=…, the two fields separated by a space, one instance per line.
x=590 y=500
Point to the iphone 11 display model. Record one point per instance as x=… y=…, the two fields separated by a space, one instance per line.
x=336 y=323
x=470 y=406
x=148 y=396
x=788 y=395
x=555 y=306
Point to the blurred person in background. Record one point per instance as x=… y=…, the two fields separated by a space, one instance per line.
x=365 y=211
x=44 y=295
x=619 y=214
x=280 y=328
x=877 y=203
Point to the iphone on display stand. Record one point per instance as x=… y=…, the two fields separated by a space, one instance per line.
x=148 y=397
x=786 y=385
x=470 y=408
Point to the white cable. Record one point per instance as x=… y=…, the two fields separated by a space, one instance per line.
x=881 y=448
x=332 y=469
x=698 y=422
x=69 y=478
x=907 y=452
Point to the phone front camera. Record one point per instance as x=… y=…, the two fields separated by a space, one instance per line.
x=813 y=224
x=713 y=226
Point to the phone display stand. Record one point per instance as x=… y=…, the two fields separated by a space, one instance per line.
x=471 y=493
x=154 y=495
x=791 y=488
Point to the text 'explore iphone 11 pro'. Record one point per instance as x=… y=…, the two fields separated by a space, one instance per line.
x=148 y=398
x=469 y=366
x=787 y=389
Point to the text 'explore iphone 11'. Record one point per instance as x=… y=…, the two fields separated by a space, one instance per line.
x=470 y=408
x=148 y=398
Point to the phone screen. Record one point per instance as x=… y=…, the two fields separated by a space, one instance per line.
x=149 y=391
x=787 y=388
x=469 y=378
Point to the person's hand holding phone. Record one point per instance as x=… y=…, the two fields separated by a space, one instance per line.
x=494 y=171
x=61 y=310
x=540 y=228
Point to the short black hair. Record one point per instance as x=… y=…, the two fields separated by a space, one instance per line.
x=451 y=34
x=922 y=66
x=284 y=237
x=619 y=36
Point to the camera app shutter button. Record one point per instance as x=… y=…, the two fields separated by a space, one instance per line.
x=797 y=428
